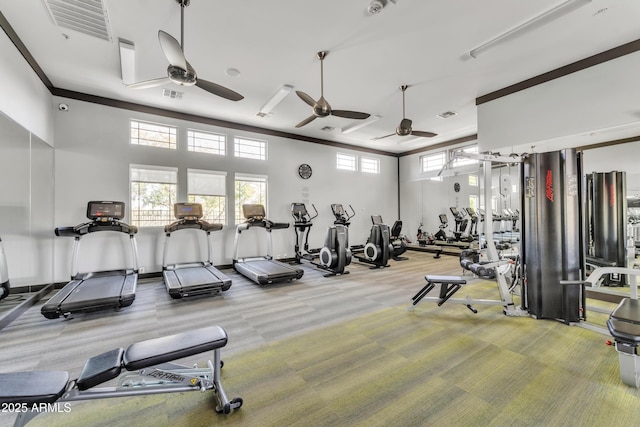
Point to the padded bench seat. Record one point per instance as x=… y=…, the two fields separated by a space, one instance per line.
x=33 y=387
x=624 y=322
x=452 y=280
x=49 y=386
x=165 y=349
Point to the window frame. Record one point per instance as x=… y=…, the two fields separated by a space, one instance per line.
x=172 y=132
x=366 y=169
x=193 y=196
x=238 y=218
x=260 y=144
x=192 y=136
x=167 y=216
x=350 y=158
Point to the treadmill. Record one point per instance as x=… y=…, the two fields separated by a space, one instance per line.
x=100 y=290
x=192 y=278
x=4 y=274
x=263 y=270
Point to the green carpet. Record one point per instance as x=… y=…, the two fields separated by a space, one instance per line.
x=435 y=366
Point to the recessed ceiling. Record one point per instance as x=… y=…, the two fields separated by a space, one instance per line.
x=423 y=44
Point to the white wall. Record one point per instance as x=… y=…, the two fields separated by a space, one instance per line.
x=562 y=112
x=92 y=158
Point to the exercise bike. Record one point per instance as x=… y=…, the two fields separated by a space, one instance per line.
x=151 y=367
x=378 y=248
x=334 y=256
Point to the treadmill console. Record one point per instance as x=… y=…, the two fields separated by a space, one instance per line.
x=105 y=211
x=187 y=211
x=253 y=212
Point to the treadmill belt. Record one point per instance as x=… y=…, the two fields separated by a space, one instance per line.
x=185 y=281
x=264 y=271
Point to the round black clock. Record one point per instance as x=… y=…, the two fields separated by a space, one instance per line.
x=456 y=187
x=304 y=170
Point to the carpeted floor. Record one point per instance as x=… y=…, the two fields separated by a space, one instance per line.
x=434 y=366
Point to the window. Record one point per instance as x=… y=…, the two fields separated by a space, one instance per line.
x=153 y=193
x=369 y=165
x=462 y=161
x=206 y=142
x=473 y=180
x=250 y=148
x=154 y=135
x=209 y=189
x=474 y=202
x=346 y=162
x=249 y=189
x=432 y=162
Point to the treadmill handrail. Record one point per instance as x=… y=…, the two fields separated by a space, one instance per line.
x=184 y=224
x=95 y=226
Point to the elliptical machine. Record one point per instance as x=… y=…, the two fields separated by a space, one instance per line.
x=4 y=274
x=334 y=256
x=378 y=248
x=398 y=241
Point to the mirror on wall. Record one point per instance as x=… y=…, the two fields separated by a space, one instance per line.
x=26 y=212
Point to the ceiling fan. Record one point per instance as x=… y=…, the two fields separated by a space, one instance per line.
x=321 y=108
x=404 y=128
x=179 y=70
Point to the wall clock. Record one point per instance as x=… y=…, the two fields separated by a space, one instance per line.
x=304 y=170
x=456 y=187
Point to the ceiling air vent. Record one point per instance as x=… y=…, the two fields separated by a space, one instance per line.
x=85 y=16
x=447 y=114
x=173 y=94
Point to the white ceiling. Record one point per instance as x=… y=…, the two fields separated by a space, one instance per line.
x=421 y=43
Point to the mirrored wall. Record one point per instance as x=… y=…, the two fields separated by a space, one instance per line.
x=26 y=210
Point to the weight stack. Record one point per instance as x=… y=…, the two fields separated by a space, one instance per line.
x=608 y=206
x=552 y=248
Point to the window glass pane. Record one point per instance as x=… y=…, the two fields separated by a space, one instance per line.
x=250 y=148
x=249 y=189
x=346 y=162
x=213 y=207
x=206 y=142
x=473 y=180
x=154 y=135
x=432 y=162
x=152 y=201
x=369 y=165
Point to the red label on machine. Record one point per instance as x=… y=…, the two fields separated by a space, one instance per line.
x=612 y=195
x=549 y=185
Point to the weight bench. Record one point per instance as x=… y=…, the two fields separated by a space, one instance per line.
x=27 y=392
x=624 y=326
x=449 y=285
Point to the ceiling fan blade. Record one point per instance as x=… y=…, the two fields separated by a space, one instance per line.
x=423 y=134
x=149 y=83
x=381 y=137
x=172 y=50
x=216 y=89
x=350 y=114
x=306 y=121
x=306 y=98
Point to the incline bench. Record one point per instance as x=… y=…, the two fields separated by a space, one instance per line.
x=151 y=359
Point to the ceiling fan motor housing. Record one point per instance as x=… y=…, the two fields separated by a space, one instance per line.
x=403 y=131
x=181 y=76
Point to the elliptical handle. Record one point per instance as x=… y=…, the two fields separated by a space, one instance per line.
x=316 y=214
x=353 y=213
